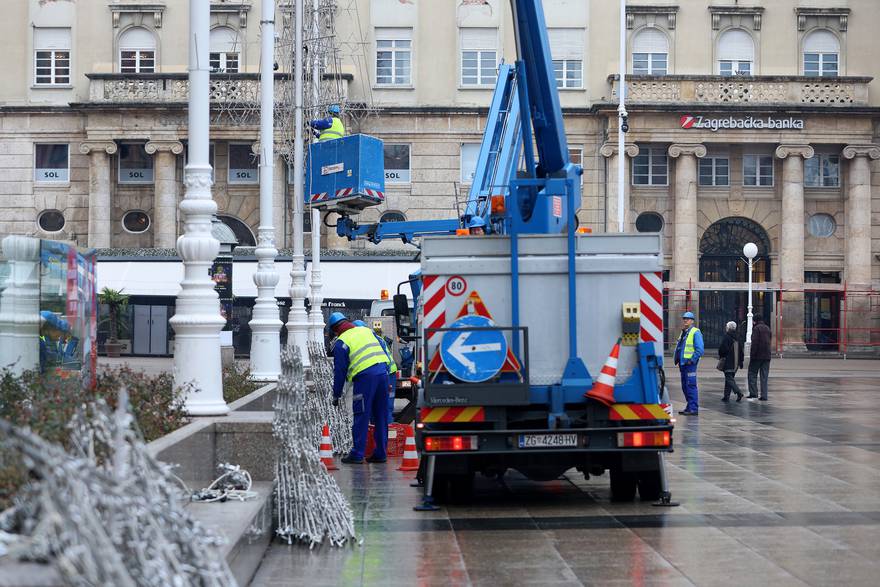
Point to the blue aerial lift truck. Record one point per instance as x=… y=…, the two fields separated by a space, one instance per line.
x=516 y=327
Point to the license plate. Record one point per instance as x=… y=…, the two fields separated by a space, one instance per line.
x=547 y=440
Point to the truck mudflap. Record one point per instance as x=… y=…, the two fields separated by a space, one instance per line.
x=633 y=437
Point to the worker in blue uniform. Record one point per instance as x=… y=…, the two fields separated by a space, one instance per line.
x=687 y=356
x=331 y=127
x=477 y=226
x=392 y=366
x=358 y=357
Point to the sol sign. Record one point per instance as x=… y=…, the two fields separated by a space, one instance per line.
x=748 y=123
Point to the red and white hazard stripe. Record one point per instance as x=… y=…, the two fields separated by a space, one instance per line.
x=319 y=197
x=651 y=308
x=344 y=192
x=434 y=294
x=375 y=194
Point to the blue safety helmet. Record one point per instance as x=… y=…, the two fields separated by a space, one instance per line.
x=359 y=323
x=335 y=318
x=476 y=222
x=688 y=315
x=334 y=109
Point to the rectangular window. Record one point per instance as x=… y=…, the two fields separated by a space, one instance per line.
x=243 y=166
x=820 y=64
x=469 y=154
x=52 y=56
x=822 y=171
x=479 y=56
x=224 y=62
x=135 y=165
x=51 y=163
x=727 y=67
x=567 y=48
x=393 y=56
x=714 y=171
x=757 y=170
x=649 y=63
x=397 y=164
x=650 y=167
x=137 y=61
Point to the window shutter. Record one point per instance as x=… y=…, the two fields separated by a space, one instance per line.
x=393 y=34
x=479 y=38
x=650 y=41
x=137 y=38
x=224 y=40
x=821 y=42
x=567 y=43
x=736 y=45
x=52 y=38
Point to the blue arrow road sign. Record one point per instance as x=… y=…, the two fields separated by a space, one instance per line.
x=473 y=355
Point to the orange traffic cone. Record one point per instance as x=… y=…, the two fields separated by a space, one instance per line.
x=410 y=455
x=603 y=388
x=326 y=450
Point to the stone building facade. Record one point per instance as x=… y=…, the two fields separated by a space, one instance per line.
x=758 y=122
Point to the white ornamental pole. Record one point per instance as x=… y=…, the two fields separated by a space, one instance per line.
x=197 y=321
x=750 y=250
x=265 y=323
x=316 y=317
x=298 y=319
x=621 y=120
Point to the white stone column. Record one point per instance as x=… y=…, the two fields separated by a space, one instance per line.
x=197 y=321
x=100 y=207
x=686 y=246
x=791 y=244
x=165 y=201
x=609 y=150
x=20 y=305
x=278 y=191
x=857 y=271
x=316 y=317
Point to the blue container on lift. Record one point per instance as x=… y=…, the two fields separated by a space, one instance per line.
x=346 y=174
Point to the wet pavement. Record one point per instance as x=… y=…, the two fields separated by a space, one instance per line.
x=785 y=492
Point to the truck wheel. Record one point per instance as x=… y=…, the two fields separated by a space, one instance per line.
x=623 y=485
x=650 y=487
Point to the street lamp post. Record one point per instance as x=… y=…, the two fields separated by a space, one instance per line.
x=750 y=250
x=197 y=322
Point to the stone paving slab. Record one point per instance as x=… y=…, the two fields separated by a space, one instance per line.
x=785 y=492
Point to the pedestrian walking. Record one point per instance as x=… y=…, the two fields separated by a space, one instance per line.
x=358 y=357
x=759 y=360
x=687 y=356
x=730 y=358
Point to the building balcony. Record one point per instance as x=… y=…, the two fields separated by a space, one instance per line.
x=173 y=88
x=760 y=90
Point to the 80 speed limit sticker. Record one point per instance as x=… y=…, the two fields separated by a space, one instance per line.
x=456 y=285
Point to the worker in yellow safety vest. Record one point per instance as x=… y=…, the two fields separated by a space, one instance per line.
x=331 y=127
x=392 y=366
x=688 y=351
x=360 y=358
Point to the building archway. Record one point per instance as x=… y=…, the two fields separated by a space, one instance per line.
x=722 y=261
x=242 y=231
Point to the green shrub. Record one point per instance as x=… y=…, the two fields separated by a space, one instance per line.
x=237 y=383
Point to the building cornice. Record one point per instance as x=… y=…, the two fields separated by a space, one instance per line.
x=842 y=14
x=853 y=79
x=669 y=12
x=756 y=12
x=157 y=9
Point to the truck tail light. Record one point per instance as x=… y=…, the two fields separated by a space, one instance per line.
x=642 y=439
x=450 y=443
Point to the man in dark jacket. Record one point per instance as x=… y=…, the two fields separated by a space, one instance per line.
x=731 y=352
x=759 y=359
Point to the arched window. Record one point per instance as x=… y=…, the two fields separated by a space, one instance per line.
x=392 y=216
x=225 y=50
x=137 y=51
x=821 y=54
x=736 y=53
x=650 y=53
x=242 y=231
